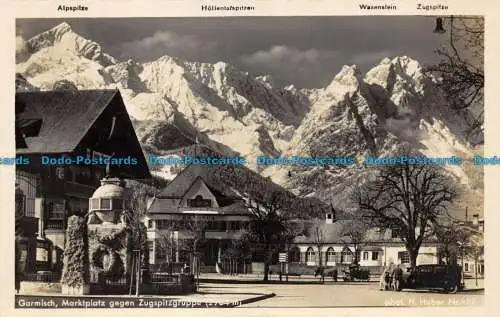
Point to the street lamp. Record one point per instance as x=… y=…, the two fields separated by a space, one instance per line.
x=439 y=26
x=461 y=249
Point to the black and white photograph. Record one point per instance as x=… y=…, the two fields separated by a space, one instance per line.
x=249 y=162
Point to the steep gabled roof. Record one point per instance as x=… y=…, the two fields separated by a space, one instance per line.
x=66 y=117
x=213 y=178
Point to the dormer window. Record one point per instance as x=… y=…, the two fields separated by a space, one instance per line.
x=198 y=201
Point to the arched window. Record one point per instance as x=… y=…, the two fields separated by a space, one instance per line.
x=346 y=255
x=330 y=255
x=310 y=255
x=294 y=255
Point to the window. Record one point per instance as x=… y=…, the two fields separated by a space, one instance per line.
x=19 y=202
x=395 y=233
x=294 y=255
x=117 y=203
x=330 y=255
x=198 y=201
x=60 y=172
x=404 y=257
x=94 y=203
x=310 y=255
x=375 y=256
x=466 y=267
x=167 y=224
x=150 y=223
x=105 y=203
x=365 y=256
x=160 y=250
x=151 y=250
x=56 y=209
x=425 y=269
x=346 y=256
x=234 y=225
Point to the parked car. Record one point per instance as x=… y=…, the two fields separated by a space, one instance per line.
x=355 y=273
x=432 y=276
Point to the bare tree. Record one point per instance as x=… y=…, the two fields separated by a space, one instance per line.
x=461 y=68
x=196 y=229
x=452 y=239
x=166 y=242
x=407 y=198
x=138 y=195
x=269 y=223
x=354 y=232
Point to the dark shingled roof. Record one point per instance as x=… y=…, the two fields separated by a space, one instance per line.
x=66 y=117
x=182 y=182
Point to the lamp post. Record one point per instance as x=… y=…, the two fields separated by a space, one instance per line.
x=439 y=26
x=461 y=249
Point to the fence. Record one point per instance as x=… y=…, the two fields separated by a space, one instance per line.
x=46 y=277
x=171 y=267
x=234 y=266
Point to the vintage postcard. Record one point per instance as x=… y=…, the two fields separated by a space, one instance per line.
x=249 y=158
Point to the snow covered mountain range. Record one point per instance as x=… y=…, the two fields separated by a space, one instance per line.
x=175 y=102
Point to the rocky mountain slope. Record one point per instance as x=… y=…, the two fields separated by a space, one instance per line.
x=174 y=103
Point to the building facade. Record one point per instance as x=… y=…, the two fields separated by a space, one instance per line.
x=193 y=207
x=473 y=261
x=54 y=125
x=194 y=200
x=377 y=249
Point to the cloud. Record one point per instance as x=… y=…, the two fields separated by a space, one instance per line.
x=292 y=63
x=21 y=49
x=166 y=43
x=20 y=44
x=281 y=54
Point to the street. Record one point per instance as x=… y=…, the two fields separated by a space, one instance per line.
x=342 y=294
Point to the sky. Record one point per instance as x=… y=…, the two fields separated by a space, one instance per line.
x=304 y=51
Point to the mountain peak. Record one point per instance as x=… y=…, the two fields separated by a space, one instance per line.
x=64 y=38
x=347 y=80
x=388 y=70
x=64 y=26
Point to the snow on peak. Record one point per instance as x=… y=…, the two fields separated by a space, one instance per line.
x=62 y=38
x=346 y=81
x=251 y=115
x=267 y=80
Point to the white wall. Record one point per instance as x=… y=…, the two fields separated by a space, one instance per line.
x=388 y=254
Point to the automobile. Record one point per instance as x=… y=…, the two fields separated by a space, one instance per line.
x=355 y=273
x=432 y=276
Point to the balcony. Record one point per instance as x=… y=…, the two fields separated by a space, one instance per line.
x=27 y=225
x=55 y=224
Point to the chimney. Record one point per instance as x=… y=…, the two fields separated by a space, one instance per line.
x=475 y=219
x=329 y=218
